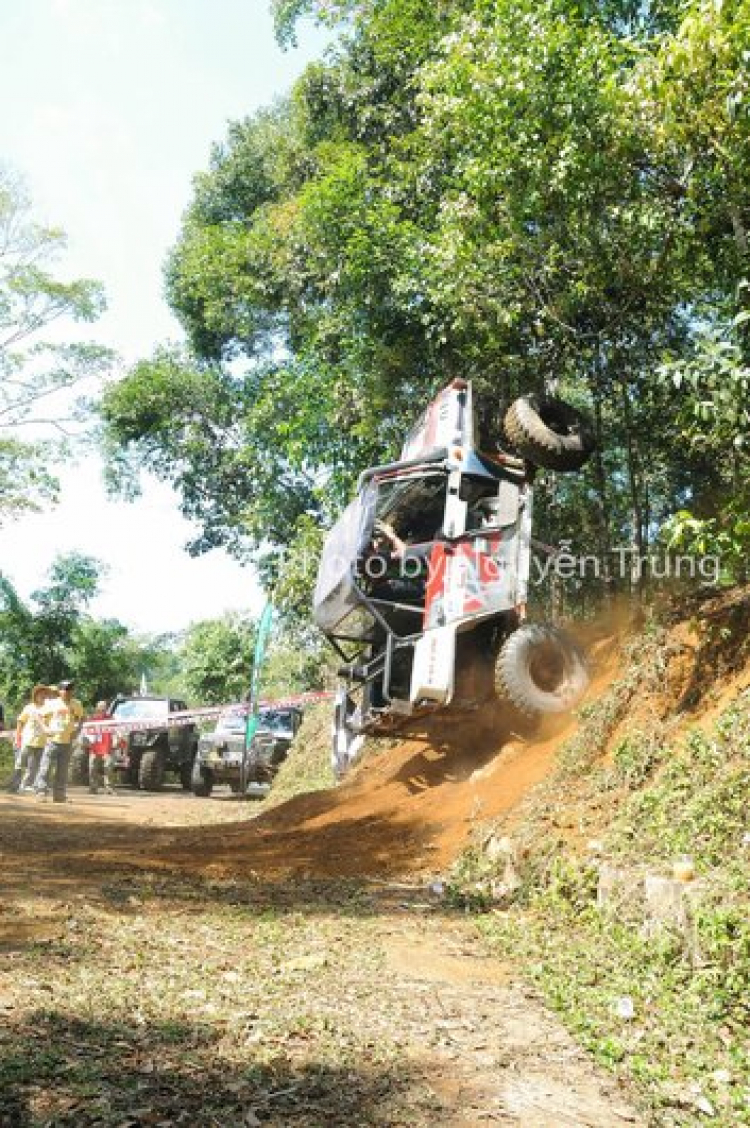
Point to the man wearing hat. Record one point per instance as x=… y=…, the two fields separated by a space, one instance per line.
x=62 y=717
x=30 y=739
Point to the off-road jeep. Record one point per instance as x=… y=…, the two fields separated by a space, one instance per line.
x=219 y=757
x=143 y=757
x=422 y=583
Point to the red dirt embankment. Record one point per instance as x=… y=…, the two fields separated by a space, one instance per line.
x=412 y=806
x=409 y=807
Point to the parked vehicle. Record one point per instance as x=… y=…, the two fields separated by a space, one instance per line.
x=422 y=584
x=142 y=758
x=219 y=757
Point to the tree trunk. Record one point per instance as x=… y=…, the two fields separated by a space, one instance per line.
x=634 y=489
x=604 y=537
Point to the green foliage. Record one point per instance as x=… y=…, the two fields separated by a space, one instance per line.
x=296 y=571
x=287 y=13
x=725 y=537
x=687 y=979
x=244 y=452
x=307 y=768
x=106 y=659
x=533 y=195
x=697 y=804
x=36 y=374
x=54 y=637
x=216 y=658
x=298 y=661
x=637 y=756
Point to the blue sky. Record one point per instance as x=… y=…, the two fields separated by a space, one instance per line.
x=108 y=109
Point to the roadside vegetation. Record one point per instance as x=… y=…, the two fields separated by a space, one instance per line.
x=307 y=768
x=652 y=973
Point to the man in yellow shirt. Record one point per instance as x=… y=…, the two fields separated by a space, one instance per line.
x=62 y=717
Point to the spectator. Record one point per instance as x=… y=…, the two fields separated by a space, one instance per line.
x=62 y=717
x=30 y=740
x=100 y=754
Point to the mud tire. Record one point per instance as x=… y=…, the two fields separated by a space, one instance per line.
x=549 y=433
x=541 y=670
x=131 y=775
x=201 y=781
x=186 y=775
x=151 y=770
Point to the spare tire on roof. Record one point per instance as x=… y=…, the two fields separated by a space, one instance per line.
x=549 y=432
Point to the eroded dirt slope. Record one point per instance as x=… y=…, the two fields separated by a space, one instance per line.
x=408 y=809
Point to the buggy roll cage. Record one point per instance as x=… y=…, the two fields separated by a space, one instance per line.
x=338 y=603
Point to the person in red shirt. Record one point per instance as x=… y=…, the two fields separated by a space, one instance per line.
x=100 y=754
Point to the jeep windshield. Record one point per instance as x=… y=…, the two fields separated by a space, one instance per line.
x=140 y=709
x=231 y=722
x=280 y=724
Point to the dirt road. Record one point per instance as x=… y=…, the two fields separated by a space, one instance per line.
x=138 y=994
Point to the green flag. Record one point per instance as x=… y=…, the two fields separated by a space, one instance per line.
x=261 y=643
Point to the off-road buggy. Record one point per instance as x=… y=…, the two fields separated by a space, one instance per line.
x=422 y=583
x=220 y=753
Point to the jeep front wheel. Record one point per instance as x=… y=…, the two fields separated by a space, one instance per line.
x=151 y=770
x=541 y=670
x=186 y=775
x=202 y=781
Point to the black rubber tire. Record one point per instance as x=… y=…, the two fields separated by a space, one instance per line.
x=151 y=769
x=549 y=432
x=541 y=670
x=186 y=775
x=131 y=774
x=202 y=781
x=79 y=767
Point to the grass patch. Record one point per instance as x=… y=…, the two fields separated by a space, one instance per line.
x=202 y=1005
x=663 y=998
x=308 y=766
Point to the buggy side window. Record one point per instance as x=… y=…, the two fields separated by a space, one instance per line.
x=492 y=504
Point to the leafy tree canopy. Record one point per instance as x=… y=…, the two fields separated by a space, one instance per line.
x=530 y=194
x=216 y=656
x=36 y=371
x=53 y=636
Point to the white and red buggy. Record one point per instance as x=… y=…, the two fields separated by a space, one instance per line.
x=422 y=584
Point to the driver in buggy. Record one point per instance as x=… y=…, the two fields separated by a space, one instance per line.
x=397 y=565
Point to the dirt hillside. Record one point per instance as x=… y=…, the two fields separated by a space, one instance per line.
x=408 y=808
x=169 y=960
x=413 y=804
